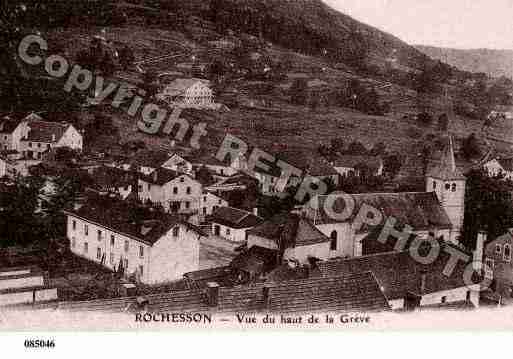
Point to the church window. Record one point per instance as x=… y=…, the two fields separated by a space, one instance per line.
x=507 y=252
x=453 y=187
x=333 y=244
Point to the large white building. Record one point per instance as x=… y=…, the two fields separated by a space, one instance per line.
x=176 y=192
x=153 y=247
x=194 y=93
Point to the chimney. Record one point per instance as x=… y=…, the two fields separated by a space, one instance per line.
x=212 y=294
x=478 y=251
x=423 y=276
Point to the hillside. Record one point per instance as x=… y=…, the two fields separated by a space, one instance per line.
x=495 y=63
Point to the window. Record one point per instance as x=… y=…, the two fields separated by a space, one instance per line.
x=149 y=186
x=182 y=179
x=498 y=249
x=39 y=145
x=127 y=246
x=48 y=146
x=112 y=240
x=447 y=186
x=444 y=299
x=468 y=296
x=112 y=258
x=333 y=244
x=434 y=184
x=141 y=270
x=125 y=264
x=175 y=190
x=176 y=231
x=188 y=191
x=140 y=187
x=86 y=247
x=453 y=187
x=205 y=199
x=99 y=235
x=86 y=229
x=187 y=205
x=222 y=171
x=204 y=210
x=98 y=253
x=219 y=201
x=30 y=144
x=227 y=231
x=507 y=252
x=141 y=251
x=74 y=224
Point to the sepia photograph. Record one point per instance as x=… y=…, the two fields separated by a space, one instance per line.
x=255 y=165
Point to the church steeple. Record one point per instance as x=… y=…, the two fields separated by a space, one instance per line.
x=447 y=169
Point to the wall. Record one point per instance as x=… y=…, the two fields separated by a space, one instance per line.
x=172 y=257
x=71 y=138
x=235 y=235
x=117 y=250
x=261 y=242
x=452 y=295
x=301 y=253
x=345 y=238
x=24 y=282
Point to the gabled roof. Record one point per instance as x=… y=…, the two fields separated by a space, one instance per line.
x=235 y=218
x=179 y=86
x=447 y=169
x=255 y=260
x=44 y=131
x=161 y=176
x=7 y=126
x=148 y=158
x=289 y=231
x=421 y=210
x=399 y=274
x=138 y=223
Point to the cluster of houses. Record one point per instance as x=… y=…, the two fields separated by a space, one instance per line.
x=306 y=245
x=148 y=216
x=26 y=139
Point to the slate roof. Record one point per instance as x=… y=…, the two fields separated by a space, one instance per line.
x=148 y=158
x=399 y=274
x=8 y=126
x=356 y=292
x=161 y=176
x=43 y=131
x=255 y=260
x=421 y=210
x=117 y=215
x=112 y=177
x=235 y=218
x=289 y=231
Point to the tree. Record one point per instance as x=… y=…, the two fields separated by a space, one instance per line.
x=150 y=84
x=488 y=206
x=425 y=118
x=126 y=57
x=470 y=147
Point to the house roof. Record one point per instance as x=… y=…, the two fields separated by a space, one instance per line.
x=161 y=176
x=8 y=126
x=148 y=158
x=138 y=223
x=421 y=210
x=399 y=274
x=289 y=230
x=352 y=161
x=235 y=218
x=506 y=163
x=255 y=260
x=179 y=86
x=44 y=131
x=447 y=169
x=109 y=177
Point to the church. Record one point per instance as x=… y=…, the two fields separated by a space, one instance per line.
x=438 y=211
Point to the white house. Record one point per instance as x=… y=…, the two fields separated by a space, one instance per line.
x=233 y=223
x=41 y=136
x=177 y=163
x=209 y=202
x=176 y=192
x=292 y=237
x=193 y=93
x=500 y=166
x=13 y=128
x=347 y=165
x=155 y=248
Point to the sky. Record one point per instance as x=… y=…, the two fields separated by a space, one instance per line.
x=446 y=23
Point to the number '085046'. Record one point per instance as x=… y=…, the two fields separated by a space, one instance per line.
x=39 y=343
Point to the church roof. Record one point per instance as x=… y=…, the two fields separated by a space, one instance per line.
x=447 y=169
